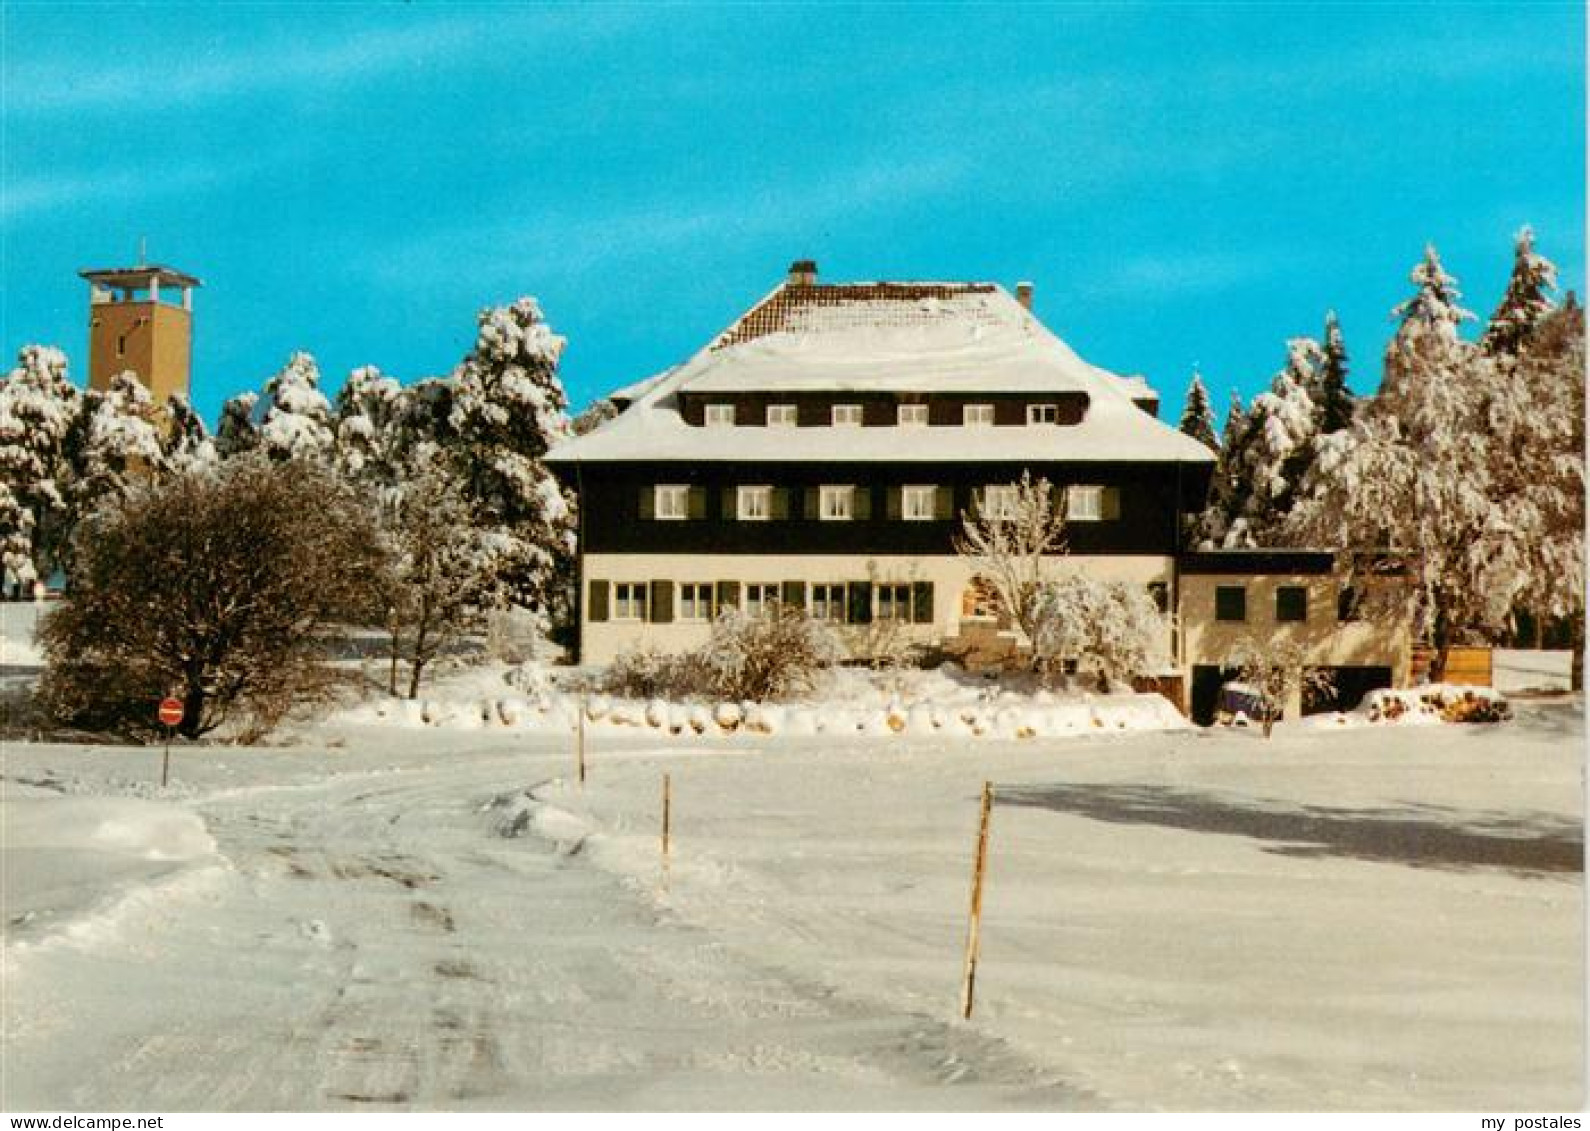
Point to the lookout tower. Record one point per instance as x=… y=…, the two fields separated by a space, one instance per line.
x=141 y=319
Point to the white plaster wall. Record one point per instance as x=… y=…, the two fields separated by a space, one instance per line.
x=950 y=575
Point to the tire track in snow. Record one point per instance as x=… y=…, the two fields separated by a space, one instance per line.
x=378 y=948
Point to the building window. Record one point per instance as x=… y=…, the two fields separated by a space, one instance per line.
x=1291 y=603
x=828 y=602
x=1159 y=593
x=1084 y=504
x=999 y=501
x=629 y=600
x=755 y=504
x=913 y=414
x=1231 y=602
x=781 y=416
x=758 y=597
x=695 y=600
x=836 y=504
x=893 y=602
x=916 y=503
x=1349 y=604
x=1043 y=414
x=977 y=414
x=847 y=415
x=719 y=415
x=121 y=345
x=672 y=501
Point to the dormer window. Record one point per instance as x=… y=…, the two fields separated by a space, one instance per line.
x=977 y=414
x=781 y=416
x=847 y=416
x=913 y=415
x=1043 y=414
x=719 y=415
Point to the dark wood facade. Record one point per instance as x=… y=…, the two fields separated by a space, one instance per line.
x=615 y=518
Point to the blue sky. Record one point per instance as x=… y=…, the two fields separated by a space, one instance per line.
x=1185 y=183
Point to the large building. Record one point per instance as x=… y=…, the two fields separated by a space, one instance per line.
x=822 y=450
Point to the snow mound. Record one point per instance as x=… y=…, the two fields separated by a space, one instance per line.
x=71 y=861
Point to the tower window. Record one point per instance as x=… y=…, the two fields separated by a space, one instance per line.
x=121 y=345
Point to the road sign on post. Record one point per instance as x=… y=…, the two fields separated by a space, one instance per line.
x=170 y=714
x=171 y=711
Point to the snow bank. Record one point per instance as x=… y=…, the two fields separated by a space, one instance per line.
x=71 y=861
x=1516 y=669
x=1429 y=705
x=946 y=701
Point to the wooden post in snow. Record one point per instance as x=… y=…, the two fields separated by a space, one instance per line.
x=974 y=928
x=579 y=741
x=667 y=826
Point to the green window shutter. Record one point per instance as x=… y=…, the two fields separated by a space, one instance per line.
x=731 y=504
x=662 y=602
x=795 y=594
x=1110 y=503
x=648 y=502
x=597 y=602
x=728 y=595
x=810 y=505
x=893 y=504
x=861 y=503
x=858 y=602
x=921 y=602
x=944 y=503
x=778 y=507
x=697 y=500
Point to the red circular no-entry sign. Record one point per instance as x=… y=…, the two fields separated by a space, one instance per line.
x=170 y=711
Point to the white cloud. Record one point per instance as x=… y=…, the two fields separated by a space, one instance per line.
x=70 y=83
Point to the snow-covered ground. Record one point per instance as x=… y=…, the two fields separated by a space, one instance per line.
x=379 y=917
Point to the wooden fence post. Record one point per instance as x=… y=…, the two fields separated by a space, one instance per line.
x=667 y=826
x=579 y=741
x=974 y=928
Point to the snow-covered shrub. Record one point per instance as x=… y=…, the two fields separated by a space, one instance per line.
x=1275 y=671
x=644 y=671
x=775 y=655
x=1112 y=629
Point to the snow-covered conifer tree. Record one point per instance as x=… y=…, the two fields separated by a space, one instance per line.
x=1283 y=423
x=114 y=440
x=1228 y=489
x=237 y=434
x=508 y=407
x=1526 y=300
x=297 y=420
x=1415 y=473
x=369 y=418
x=1333 y=400
x=37 y=406
x=1198 y=418
x=185 y=441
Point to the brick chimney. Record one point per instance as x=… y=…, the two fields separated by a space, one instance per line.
x=1024 y=295
x=803 y=273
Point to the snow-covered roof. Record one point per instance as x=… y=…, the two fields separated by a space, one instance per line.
x=971 y=338
x=631 y=393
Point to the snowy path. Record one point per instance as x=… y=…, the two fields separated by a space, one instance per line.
x=375 y=944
